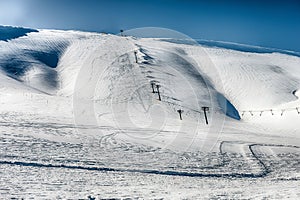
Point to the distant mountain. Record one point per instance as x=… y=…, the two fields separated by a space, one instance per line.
x=9 y=32
x=245 y=48
x=232 y=46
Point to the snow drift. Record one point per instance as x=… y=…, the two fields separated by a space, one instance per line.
x=51 y=61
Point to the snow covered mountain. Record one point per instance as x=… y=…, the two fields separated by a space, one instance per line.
x=94 y=90
x=234 y=82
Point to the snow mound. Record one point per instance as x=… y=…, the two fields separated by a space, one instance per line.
x=33 y=58
x=236 y=82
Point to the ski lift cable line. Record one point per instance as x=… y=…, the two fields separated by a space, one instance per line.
x=272 y=111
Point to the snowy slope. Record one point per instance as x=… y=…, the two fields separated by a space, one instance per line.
x=97 y=80
x=49 y=61
x=80 y=105
x=33 y=59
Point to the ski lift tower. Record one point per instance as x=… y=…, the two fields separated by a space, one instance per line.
x=205 y=109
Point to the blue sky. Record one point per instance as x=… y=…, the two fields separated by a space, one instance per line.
x=265 y=23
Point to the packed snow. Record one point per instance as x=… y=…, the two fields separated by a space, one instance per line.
x=79 y=118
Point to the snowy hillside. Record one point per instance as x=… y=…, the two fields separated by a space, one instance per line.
x=234 y=82
x=74 y=100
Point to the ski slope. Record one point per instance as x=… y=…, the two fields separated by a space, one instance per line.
x=79 y=118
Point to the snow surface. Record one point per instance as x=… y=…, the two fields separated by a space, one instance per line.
x=78 y=118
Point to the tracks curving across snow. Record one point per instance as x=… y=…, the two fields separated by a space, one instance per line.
x=107 y=153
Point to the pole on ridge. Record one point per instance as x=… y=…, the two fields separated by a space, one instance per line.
x=180 y=112
x=157 y=87
x=135 y=55
x=205 y=109
x=152 y=85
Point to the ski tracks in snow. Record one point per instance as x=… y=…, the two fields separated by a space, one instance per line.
x=260 y=160
x=108 y=153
